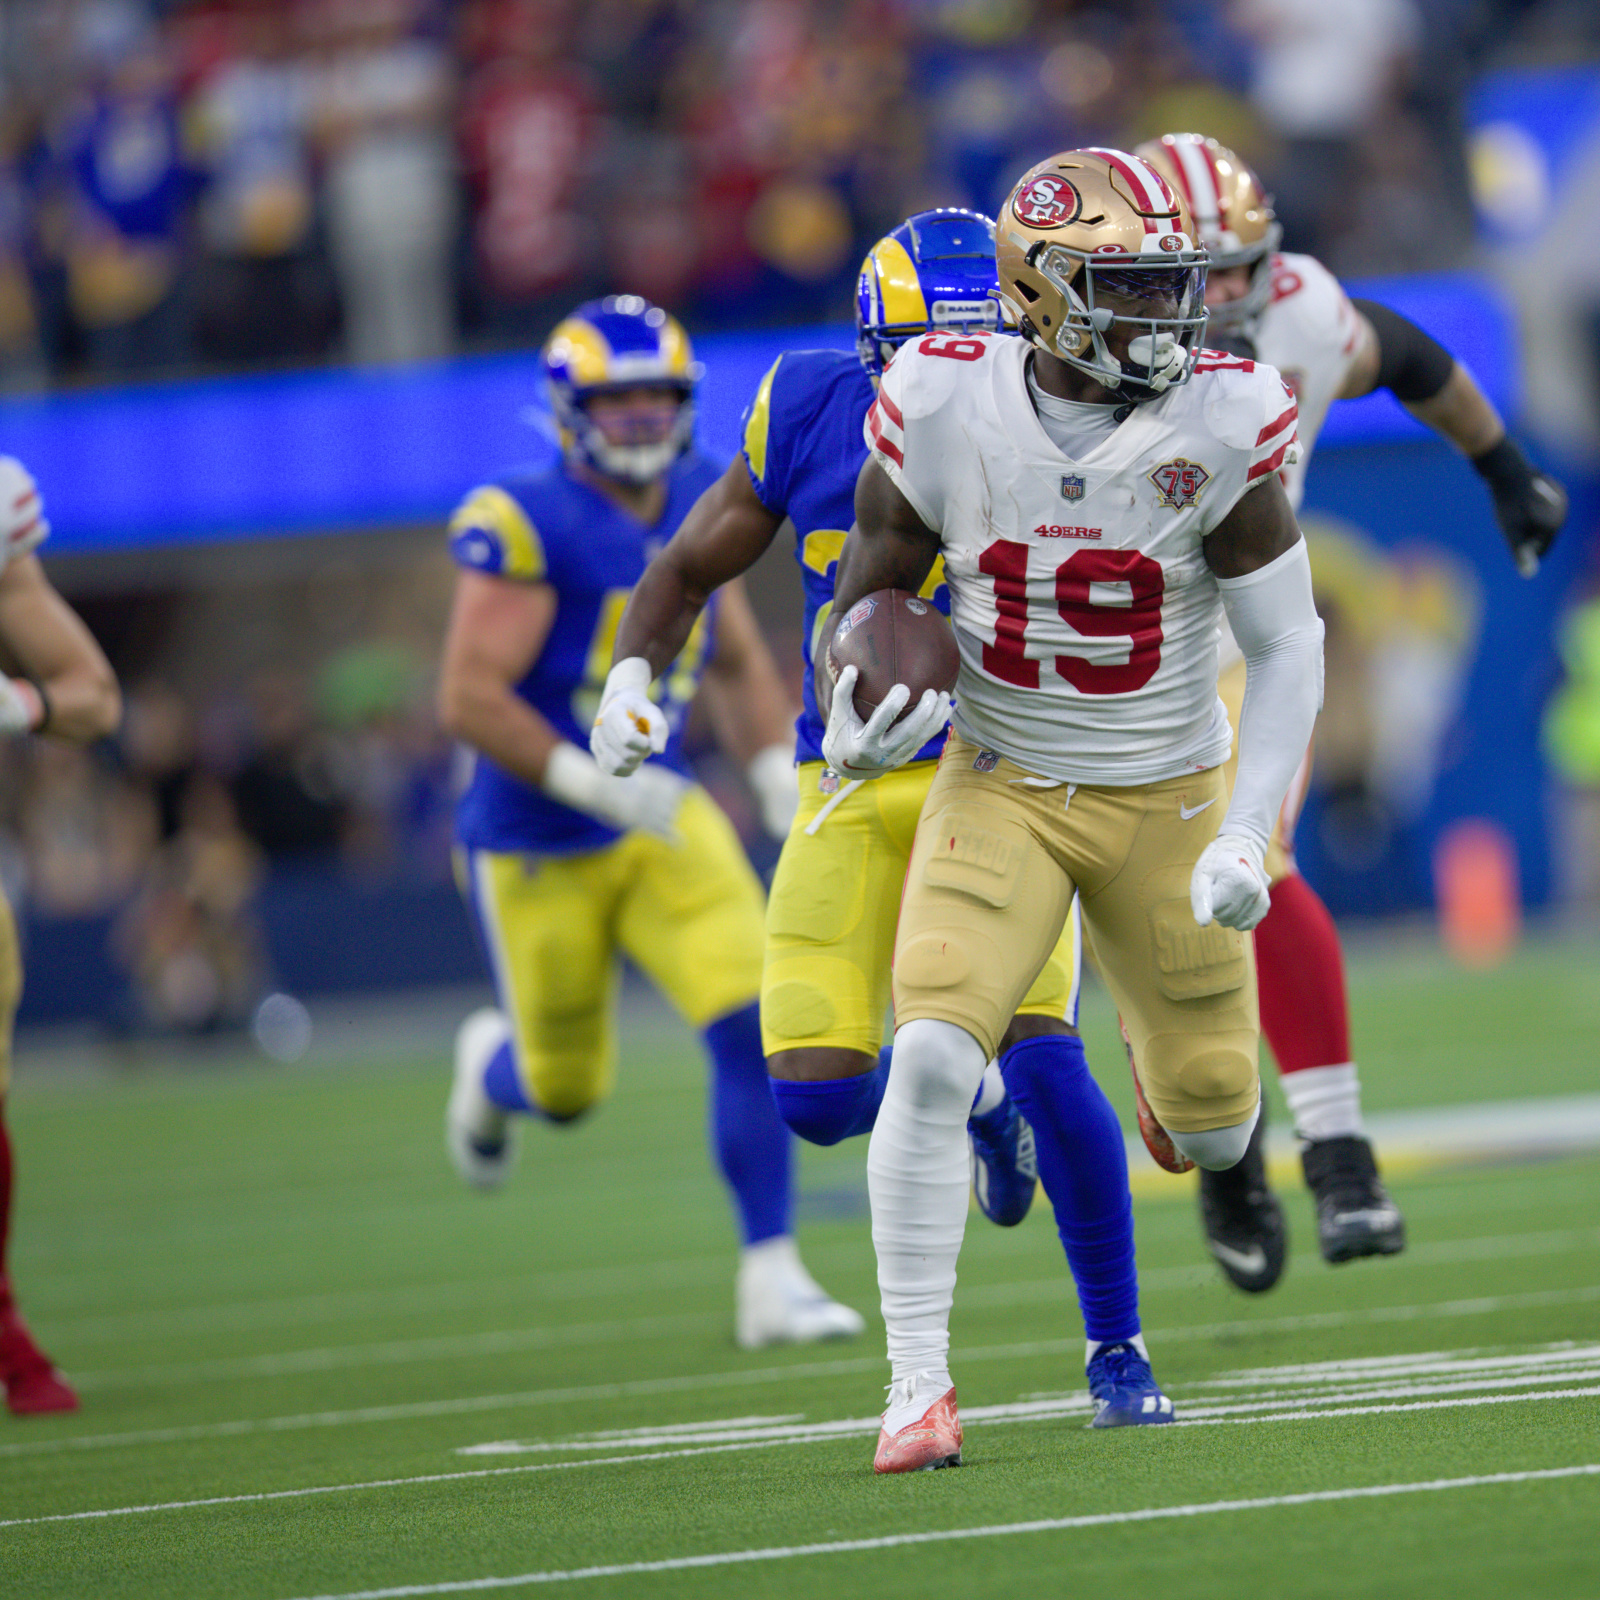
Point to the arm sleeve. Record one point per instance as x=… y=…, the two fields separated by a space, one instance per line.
x=1412 y=365
x=1275 y=621
x=491 y=532
x=885 y=433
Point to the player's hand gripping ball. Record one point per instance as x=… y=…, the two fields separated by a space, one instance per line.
x=890 y=650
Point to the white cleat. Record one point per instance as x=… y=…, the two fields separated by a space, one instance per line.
x=779 y=1302
x=477 y=1133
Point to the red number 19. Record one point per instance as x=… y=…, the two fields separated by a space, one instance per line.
x=1006 y=561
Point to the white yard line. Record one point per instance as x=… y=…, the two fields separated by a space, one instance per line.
x=822 y=1432
x=1003 y=1530
x=698 y=1382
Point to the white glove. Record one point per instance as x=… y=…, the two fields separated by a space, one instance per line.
x=16 y=711
x=858 y=749
x=648 y=800
x=1230 y=883
x=630 y=725
x=22 y=523
x=777 y=789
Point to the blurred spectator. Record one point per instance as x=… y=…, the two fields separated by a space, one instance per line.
x=382 y=104
x=188 y=939
x=1572 y=742
x=526 y=129
x=128 y=229
x=287 y=797
x=252 y=123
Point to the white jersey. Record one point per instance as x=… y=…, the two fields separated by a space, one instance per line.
x=1085 y=612
x=22 y=522
x=1309 y=332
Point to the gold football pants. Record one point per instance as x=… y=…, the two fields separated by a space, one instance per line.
x=992 y=877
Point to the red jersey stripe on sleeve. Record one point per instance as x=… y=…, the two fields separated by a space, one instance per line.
x=1278 y=423
x=1272 y=462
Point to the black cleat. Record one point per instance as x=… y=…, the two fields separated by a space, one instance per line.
x=1243 y=1221
x=1355 y=1216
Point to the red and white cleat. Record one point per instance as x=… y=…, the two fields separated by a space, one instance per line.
x=32 y=1385
x=921 y=1429
x=1157 y=1140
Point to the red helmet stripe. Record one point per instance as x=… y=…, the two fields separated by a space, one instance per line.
x=1149 y=189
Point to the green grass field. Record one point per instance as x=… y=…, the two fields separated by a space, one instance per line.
x=289 y=1322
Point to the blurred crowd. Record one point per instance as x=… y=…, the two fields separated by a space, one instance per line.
x=170 y=830
x=223 y=182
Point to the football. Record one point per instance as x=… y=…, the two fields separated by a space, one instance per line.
x=890 y=637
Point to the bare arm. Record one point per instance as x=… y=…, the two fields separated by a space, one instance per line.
x=497 y=630
x=744 y=694
x=1395 y=354
x=1260 y=528
x=55 y=649
x=1460 y=411
x=723 y=536
x=890 y=547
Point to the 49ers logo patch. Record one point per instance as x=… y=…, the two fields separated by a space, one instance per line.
x=1179 y=482
x=1048 y=202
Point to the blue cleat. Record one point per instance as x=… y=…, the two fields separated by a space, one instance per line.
x=1005 y=1169
x=1124 y=1390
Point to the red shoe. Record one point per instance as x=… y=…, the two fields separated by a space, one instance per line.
x=917 y=1436
x=1157 y=1140
x=33 y=1386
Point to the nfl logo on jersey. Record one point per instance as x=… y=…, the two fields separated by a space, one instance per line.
x=1072 y=487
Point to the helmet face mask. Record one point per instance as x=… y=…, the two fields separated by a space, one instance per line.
x=631 y=462
x=934 y=273
x=1160 y=344
x=617 y=346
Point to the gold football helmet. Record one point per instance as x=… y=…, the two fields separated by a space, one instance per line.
x=1087 y=224
x=1232 y=216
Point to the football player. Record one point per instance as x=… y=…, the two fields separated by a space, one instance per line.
x=1289 y=310
x=1087 y=754
x=836 y=893
x=568 y=866
x=66 y=690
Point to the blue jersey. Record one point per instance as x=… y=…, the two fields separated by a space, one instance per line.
x=803 y=447
x=550 y=528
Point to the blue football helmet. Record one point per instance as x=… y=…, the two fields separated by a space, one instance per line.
x=621 y=342
x=935 y=271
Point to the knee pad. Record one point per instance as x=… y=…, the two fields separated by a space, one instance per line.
x=937 y=1064
x=1217 y=1149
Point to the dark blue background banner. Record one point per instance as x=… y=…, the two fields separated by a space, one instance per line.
x=322 y=451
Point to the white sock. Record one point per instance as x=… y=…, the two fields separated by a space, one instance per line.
x=1326 y=1101
x=917 y=1178
x=990 y=1092
x=1093 y=1347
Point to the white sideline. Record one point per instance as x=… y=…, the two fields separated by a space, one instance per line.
x=949 y=1535
x=691 y=1383
x=821 y=1434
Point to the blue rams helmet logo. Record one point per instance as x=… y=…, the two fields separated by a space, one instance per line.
x=935 y=271
x=618 y=343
